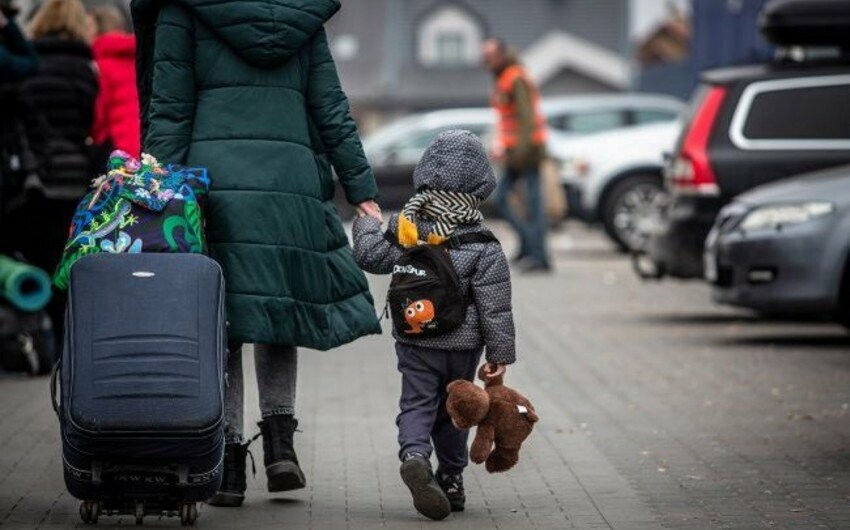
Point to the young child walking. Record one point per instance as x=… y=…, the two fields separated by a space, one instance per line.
x=452 y=179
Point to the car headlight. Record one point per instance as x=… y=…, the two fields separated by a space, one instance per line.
x=779 y=215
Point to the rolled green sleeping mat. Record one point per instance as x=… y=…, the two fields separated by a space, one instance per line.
x=24 y=286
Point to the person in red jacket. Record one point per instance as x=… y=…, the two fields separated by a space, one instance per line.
x=117 y=114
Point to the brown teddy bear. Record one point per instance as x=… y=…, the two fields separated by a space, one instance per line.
x=503 y=416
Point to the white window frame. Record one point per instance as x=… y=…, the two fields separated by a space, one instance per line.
x=449 y=19
x=742 y=112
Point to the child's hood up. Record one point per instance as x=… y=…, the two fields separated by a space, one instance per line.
x=456 y=161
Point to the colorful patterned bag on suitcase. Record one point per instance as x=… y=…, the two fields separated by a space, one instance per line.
x=137 y=206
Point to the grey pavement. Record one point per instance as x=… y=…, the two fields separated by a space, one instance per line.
x=658 y=410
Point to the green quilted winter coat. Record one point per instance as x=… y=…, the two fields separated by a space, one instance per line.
x=249 y=90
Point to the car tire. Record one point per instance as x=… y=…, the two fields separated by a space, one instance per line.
x=637 y=192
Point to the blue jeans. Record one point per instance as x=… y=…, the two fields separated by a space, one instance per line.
x=532 y=230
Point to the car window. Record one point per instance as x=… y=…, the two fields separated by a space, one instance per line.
x=559 y=122
x=642 y=116
x=591 y=122
x=410 y=149
x=805 y=113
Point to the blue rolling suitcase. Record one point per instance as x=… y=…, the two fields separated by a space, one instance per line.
x=142 y=384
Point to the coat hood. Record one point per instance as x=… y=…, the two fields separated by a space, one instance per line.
x=115 y=45
x=263 y=32
x=456 y=161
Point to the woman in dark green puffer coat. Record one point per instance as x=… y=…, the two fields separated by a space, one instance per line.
x=249 y=90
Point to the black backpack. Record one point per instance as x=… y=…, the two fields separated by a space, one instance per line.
x=425 y=298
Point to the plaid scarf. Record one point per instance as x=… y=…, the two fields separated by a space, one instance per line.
x=447 y=209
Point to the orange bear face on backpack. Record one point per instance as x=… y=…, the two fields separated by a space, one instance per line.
x=419 y=315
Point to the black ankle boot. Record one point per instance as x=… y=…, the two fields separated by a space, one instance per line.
x=282 y=468
x=233 y=480
x=452 y=486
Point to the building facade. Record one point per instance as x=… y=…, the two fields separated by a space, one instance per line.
x=399 y=56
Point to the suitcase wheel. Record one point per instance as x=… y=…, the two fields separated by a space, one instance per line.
x=89 y=511
x=188 y=513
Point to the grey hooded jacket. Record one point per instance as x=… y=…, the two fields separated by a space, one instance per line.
x=455 y=161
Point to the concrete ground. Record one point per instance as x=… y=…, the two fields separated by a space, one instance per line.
x=659 y=410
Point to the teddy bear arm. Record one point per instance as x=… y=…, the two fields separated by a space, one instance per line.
x=485 y=434
x=502 y=459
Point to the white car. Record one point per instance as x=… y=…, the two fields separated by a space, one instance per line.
x=395 y=149
x=615 y=177
x=582 y=114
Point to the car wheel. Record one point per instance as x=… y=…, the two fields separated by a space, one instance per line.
x=632 y=209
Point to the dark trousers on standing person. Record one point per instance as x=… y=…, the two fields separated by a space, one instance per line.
x=423 y=418
x=38 y=229
x=277 y=372
x=532 y=229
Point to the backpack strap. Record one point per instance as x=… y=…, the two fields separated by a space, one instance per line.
x=454 y=242
x=484 y=236
x=392 y=238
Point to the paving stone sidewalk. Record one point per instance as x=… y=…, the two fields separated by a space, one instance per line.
x=658 y=410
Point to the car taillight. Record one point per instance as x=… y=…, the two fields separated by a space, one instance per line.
x=691 y=171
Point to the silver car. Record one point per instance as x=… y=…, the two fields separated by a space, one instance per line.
x=783 y=248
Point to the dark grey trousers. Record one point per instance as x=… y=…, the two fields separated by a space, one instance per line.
x=277 y=373
x=425 y=373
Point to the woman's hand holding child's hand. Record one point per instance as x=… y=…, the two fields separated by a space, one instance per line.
x=371 y=209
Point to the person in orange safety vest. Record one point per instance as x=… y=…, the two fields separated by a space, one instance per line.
x=521 y=144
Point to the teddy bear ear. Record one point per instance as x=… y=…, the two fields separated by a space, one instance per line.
x=454 y=384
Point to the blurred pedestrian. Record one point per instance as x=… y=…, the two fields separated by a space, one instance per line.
x=61 y=96
x=452 y=179
x=17 y=56
x=249 y=89
x=117 y=112
x=521 y=145
x=17 y=61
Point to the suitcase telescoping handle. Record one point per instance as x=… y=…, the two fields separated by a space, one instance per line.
x=54 y=383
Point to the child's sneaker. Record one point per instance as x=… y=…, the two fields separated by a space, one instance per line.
x=452 y=486
x=428 y=497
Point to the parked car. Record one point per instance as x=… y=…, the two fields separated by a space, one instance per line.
x=395 y=149
x=587 y=114
x=783 y=248
x=615 y=178
x=751 y=125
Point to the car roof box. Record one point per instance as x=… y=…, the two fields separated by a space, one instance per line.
x=807 y=22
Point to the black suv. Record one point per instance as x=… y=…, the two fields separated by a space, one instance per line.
x=755 y=124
